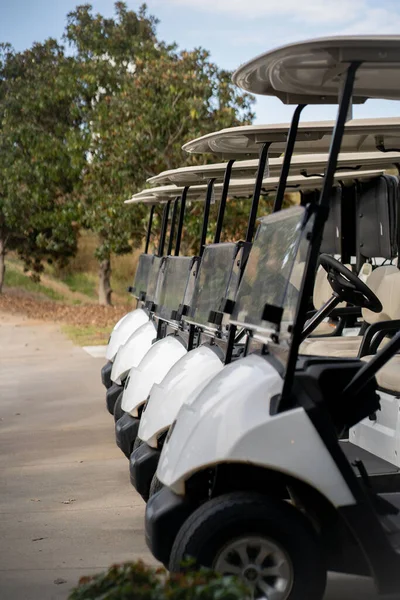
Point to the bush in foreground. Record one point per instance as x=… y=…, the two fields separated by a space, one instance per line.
x=136 y=581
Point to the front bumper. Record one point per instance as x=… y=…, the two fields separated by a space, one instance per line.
x=106 y=374
x=112 y=396
x=165 y=514
x=142 y=467
x=126 y=430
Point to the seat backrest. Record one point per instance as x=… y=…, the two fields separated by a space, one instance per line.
x=323 y=290
x=385 y=283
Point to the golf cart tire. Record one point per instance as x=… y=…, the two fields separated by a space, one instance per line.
x=118 y=412
x=155 y=486
x=216 y=522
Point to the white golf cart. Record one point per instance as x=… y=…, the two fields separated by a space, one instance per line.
x=145 y=276
x=257 y=482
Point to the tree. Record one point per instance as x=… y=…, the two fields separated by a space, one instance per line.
x=41 y=155
x=144 y=100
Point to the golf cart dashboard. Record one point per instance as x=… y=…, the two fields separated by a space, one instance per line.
x=320 y=384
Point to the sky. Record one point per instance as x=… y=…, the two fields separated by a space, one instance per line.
x=234 y=31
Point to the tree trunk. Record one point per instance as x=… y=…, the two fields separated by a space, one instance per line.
x=105 y=290
x=2 y=263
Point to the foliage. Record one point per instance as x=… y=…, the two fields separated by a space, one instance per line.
x=81 y=131
x=144 y=100
x=41 y=153
x=135 y=581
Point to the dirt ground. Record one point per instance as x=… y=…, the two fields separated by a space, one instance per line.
x=19 y=302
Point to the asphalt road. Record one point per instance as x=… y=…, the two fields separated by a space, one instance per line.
x=67 y=508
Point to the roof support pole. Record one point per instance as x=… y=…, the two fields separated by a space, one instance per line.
x=180 y=222
x=149 y=225
x=222 y=204
x=294 y=126
x=164 y=225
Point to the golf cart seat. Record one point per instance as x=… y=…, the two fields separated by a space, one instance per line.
x=322 y=293
x=388 y=377
x=385 y=283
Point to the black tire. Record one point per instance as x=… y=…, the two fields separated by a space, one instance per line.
x=138 y=442
x=155 y=486
x=226 y=518
x=118 y=412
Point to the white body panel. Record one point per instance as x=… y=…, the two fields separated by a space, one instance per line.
x=132 y=352
x=124 y=329
x=381 y=437
x=181 y=384
x=152 y=369
x=230 y=421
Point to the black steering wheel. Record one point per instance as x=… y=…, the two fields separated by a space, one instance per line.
x=348 y=286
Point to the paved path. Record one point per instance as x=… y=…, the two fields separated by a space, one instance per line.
x=66 y=505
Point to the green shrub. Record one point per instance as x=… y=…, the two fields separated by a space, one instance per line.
x=136 y=581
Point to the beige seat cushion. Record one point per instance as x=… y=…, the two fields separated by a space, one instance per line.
x=388 y=377
x=324 y=328
x=335 y=346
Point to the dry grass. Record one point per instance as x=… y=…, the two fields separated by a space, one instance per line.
x=81 y=273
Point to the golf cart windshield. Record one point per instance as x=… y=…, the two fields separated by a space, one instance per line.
x=213 y=282
x=268 y=293
x=174 y=276
x=142 y=274
x=152 y=287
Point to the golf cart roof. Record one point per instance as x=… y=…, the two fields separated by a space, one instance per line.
x=145 y=198
x=361 y=135
x=244 y=187
x=315 y=163
x=311 y=72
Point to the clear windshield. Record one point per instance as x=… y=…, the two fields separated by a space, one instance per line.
x=142 y=275
x=152 y=290
x=212 y=284
x=175 y=274
x=274 y=271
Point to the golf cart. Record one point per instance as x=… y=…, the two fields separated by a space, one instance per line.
x=257 y=483
x=193 y=371
x=146 y=274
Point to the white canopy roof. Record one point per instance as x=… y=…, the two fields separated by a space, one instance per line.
x=361 y=135
x=313 y=71
x=244 y=187
x=312 y=163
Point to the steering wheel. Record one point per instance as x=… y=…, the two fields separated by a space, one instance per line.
x=348 y=286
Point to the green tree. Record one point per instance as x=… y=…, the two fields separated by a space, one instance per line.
x=144 y=99
x=41 y=155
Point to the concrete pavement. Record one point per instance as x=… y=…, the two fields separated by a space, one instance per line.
x=67 y=508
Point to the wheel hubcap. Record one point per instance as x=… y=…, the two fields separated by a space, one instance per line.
x=261 y=563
